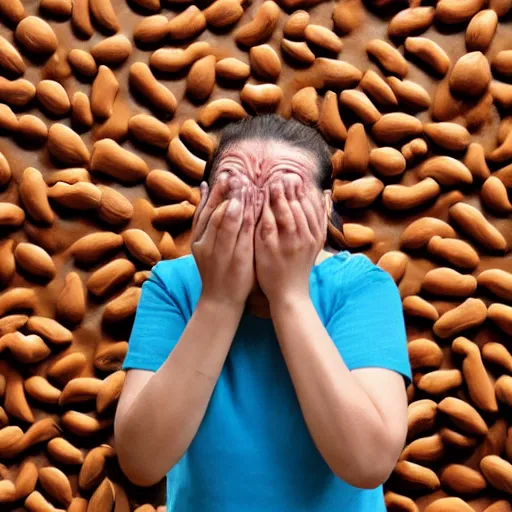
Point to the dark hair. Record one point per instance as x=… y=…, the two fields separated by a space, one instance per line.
x=275 y=127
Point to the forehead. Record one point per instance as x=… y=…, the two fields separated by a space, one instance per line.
x=267 y=155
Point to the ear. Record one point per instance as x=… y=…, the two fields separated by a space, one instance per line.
x=328 y=202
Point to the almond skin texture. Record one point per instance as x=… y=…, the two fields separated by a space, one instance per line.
x=201 y=78
x=36 y=36
x=10 y=59
x=35 y=260
x=53 y=97
x=471 y=75
x=67 y=146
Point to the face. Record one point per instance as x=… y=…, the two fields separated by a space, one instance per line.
x=258 y=163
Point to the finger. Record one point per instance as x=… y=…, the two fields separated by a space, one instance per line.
x=266 y=230
x=310 y=214
x=203 y=191
x=215 y=221
x=227 y=234
x=281 y=208
x=300 y=218
x=245 y=241
x=216 y=196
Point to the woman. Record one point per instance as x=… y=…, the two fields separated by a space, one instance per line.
x=264 y=373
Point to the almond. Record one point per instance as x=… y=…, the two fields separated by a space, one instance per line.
x=189 y=23
x=26 y=479
x=494 y=196
x=502 y=94
x=501 y=8
x=149 y=130
x=36 y=36
x=12 y=323
x=92 y=248
x=335 y=74
x=81 y=110
x=471 y=75
x=8 y=268
x=446 y=171
x=56 y=484
x=11 y=215
x=140 y=245
x=150 y=5
x=174 y=213
x=82 y=62
x=112 y=51
x=20 y=298
x=387 y=161
x=168 y=186
x=411 y=21
x=462 y=480
x=35 y=260
x=296 y=24
x=10 y=59
x=361 y=105
x=410 y=93
x=17 y=93
x=429 y=52
x=456 y=439
x=191 y=165
x=448 y=504
x=201 y=78
x=80 y=389
x=451 y=136
x=463 y=416
x=388 y=57
x=151 y=29
x=497 y=472
x=157 y=94
x=67 y=367
x=49 y=329
x=232 y=69
x=394 y=263
x=323 y=38
x=81 y=18
x=392 y=128
x=501 y=315
x=359 y=193
x=33 y=193
x=396 y=501
x=452 y=12
x=457 y=252
x=347 y=16
x=475 y=162
x=446 y=281
x=304 y=105
x=424 y=353
x=223 y=13
x=330 y=123
x=416 y=476
x=497 y=281
x=53 y=97
x=298 y=50
x=414 y=305
x=83 y=425
x=167 y=247
x=64 y=452
x=31 y=129
x=378 y=89
x=354 y=235
x=111 y=358
x=105 y=15
x=481 y=30
x=79 y=196
x=172 y=60
x=114 y=208
x=26 y=349
x=471 y=313
x=264 y=62
x=261 y=27
x=425 y=449
x=67 y=146
x=13 y=10
x=123 y=306
x=110 y=391
x=263 y=98
x=197 y=138
x=477 y=226
x=402 y=197
x=93 y=469
x=103 y=498
x=110 y=158
x=104 y=92
x=8 y=120
x=223 y=109
x=59 y=8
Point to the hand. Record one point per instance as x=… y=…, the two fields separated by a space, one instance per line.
x=289 y=235
x=223 y=242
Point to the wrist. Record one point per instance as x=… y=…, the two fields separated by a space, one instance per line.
x=289 y=302
x=220 y=306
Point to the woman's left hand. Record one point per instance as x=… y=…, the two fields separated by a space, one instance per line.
x=290 y=233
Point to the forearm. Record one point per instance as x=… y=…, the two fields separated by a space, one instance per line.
x=345 y=425
x=166 y=414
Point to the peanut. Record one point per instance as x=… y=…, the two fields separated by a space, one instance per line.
x=104 y=92
x=401 y=197
x=388 y=57
x=159 y=96
x=140 y=245
x=108 y=157
x=261 y=27
x=457 y=252
x=36 y=36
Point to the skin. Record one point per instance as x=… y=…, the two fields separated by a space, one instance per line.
x=258 y=231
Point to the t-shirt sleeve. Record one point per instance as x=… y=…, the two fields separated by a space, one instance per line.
x=159 y=321
x=367 y=323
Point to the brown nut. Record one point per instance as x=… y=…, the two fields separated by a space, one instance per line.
x=296 y=25
x=361 y=105
x=149 y=130
x=8 y=119
x=497 y=471
x=357 y=151
x=123 y=306
x=64 y=452
x=93 y=247
x=113 y=50
x=388 y=57
x=151 y=29
x=262 y=98
x=104 y=92
x=201 y=78
x=378 y=89
x=232 y=69
x=298 y=50
x=174 y=213
x=10 y=60
x=429 y=52
x=67 y=146
x=261 y=27
x=497 y=281
x=189 y=23
x=334 y=74
x=474 y=160
x=191 y=165
x=223 y=109
x=33 y=129
x=481 y=29
x=425 y=449
x=105 y=15
x=323 y=38
x=67 y=367
x=402 y=197
x=410 y=93
x=469 y=314
x=11 y=215
x=56 y=484
x=33 y=193
x=81 y=112
x=53 y=97
x=463 y=416
x=501 y=315
x=451 y=136
x=82 y=62
x=79 y=196
x=81 y=18
x=17 y=93
x=424 y=353
x=502 y=63
x=448 y=504
x=49 y=329
x=387 y=161
x=457 y=252
x=392 y=128
x=347 y=16
x=411 y=21
x=305 y=105
x=413 y=305
x=35 y=260
x=416 y=476
x=495 y=196
x=359 y=193
x=140 y=245
x=171 y=60
x=394 y=263
x=107 y=278
x=197 y=138
x=446 y=171
x=13 y=10
x=265 y=62
x=471 y=75
x=36 y=36
x=447 y=281
x=453 y=12
x=80 y=389
x=462 y=480
x=330 y=123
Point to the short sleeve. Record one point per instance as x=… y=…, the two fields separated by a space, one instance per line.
x=159 y=322
x=367 y=324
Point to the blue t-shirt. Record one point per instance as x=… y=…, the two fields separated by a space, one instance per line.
x=253 y=451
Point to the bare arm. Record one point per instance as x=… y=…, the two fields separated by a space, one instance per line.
x=155 y=430
x=351 y=416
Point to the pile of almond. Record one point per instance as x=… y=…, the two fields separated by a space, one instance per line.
x=109 y=111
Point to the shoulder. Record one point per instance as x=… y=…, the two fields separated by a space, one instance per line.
x=176 y=275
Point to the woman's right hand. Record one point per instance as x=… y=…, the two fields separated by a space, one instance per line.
x=223 y=242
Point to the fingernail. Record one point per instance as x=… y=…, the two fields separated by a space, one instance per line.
x=233 y=206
